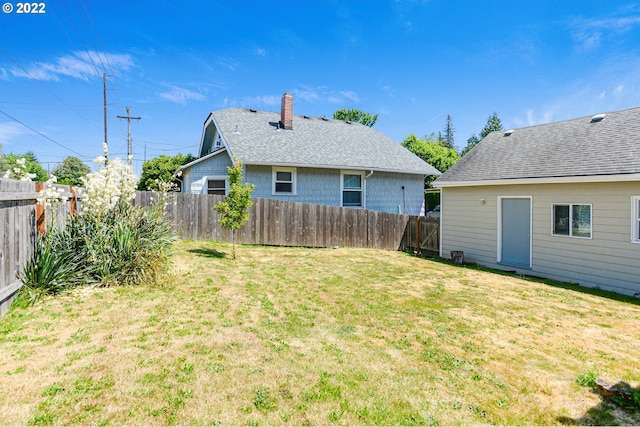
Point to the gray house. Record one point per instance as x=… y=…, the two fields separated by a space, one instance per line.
x=558 y=200
x=307 y=159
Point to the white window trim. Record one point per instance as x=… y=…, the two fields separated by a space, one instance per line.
x=363 y=188
x=205 y=187
x=635 y=224
x=294 y=179
x=571 y=205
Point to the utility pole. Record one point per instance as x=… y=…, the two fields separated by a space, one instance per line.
x=104 y=94
x=129 y=145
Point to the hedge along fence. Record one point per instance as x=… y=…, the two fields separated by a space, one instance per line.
x=21 y=218
x=282 y=223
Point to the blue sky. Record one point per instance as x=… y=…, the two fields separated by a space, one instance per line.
x=412 y=62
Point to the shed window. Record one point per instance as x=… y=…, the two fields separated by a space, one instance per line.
x=284 y=180
x=572 y=220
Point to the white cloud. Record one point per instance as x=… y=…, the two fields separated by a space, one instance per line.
x=324 y=94
x=9 y=130
x=79 y=65
x=180 y=95
x=589 y=33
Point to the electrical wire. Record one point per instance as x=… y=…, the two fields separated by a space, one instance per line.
x=42 y=135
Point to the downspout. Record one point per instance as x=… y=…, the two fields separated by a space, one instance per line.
x=365 y=187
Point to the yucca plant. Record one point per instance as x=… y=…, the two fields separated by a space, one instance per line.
x=48 y=272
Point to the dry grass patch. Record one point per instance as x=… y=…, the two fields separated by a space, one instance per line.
x=316 y=336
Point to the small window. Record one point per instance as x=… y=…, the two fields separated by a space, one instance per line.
x=572 y=220
x=284 y=181
x=635 y=219
x=216 y=186
x=352 y=189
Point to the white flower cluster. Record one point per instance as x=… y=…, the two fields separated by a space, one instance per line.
x=51 y=194
x=20 y=171
x=112 y=182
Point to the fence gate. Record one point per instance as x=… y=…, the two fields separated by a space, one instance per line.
x=422 y=235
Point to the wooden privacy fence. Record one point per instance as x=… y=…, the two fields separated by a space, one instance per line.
x=281 y=223
x=422 y=234
x=20 y=218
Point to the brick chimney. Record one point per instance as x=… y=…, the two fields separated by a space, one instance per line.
x=286 y=113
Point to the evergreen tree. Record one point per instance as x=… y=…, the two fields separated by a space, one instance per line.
x=471 y=142
x=448 y=139
x=493 y=124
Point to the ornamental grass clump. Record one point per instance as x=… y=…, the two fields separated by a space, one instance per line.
x=111 y=241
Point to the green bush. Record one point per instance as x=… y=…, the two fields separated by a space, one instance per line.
x=125 y=246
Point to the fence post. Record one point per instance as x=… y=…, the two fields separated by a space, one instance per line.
x=73 y=201
x=41 y=222
x=418 y=235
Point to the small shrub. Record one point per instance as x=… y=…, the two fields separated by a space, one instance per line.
x=48 y=272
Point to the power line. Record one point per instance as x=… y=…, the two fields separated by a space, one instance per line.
x=41 y=134
x=49 y=91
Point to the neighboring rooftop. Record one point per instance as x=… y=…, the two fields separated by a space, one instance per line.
x=258 y=137
x=600 y=145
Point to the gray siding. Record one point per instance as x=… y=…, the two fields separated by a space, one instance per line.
x=608 y=260
x=214 y=166
x=383 y=191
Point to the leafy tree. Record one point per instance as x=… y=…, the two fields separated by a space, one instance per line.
x=432 y=152
x=471 y=142
x=448 y=139
x=161 y=169
x=234 y=209
x=8 y=161
x=493 y=124
x=70 y=171
x=356 y=116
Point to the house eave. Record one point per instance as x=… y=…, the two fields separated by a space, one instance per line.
x=201 y=159
x=542 y=180
x=339 y=167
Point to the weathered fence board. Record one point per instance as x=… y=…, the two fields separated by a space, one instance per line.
x=18 y=227
x=282 y=223
x=422 y=234
x=17 y=233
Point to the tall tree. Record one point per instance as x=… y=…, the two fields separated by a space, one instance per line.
x=471 y=142
x=70 y=171
x=356 y=116
x=234 y=209
x=448 y=139
x=161 y=169
x=493 y=124
x=432 y=152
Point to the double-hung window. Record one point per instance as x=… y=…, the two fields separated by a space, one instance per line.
x=217 y=186
x=573 y=220
x=635 y=219
x=352 y=189
x=284 y=180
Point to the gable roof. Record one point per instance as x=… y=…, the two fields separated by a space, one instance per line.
x=254 y=137
x=578 y=149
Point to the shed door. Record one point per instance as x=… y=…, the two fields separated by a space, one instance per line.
x=516 y=232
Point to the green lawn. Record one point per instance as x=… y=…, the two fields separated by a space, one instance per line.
x=300 y=336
